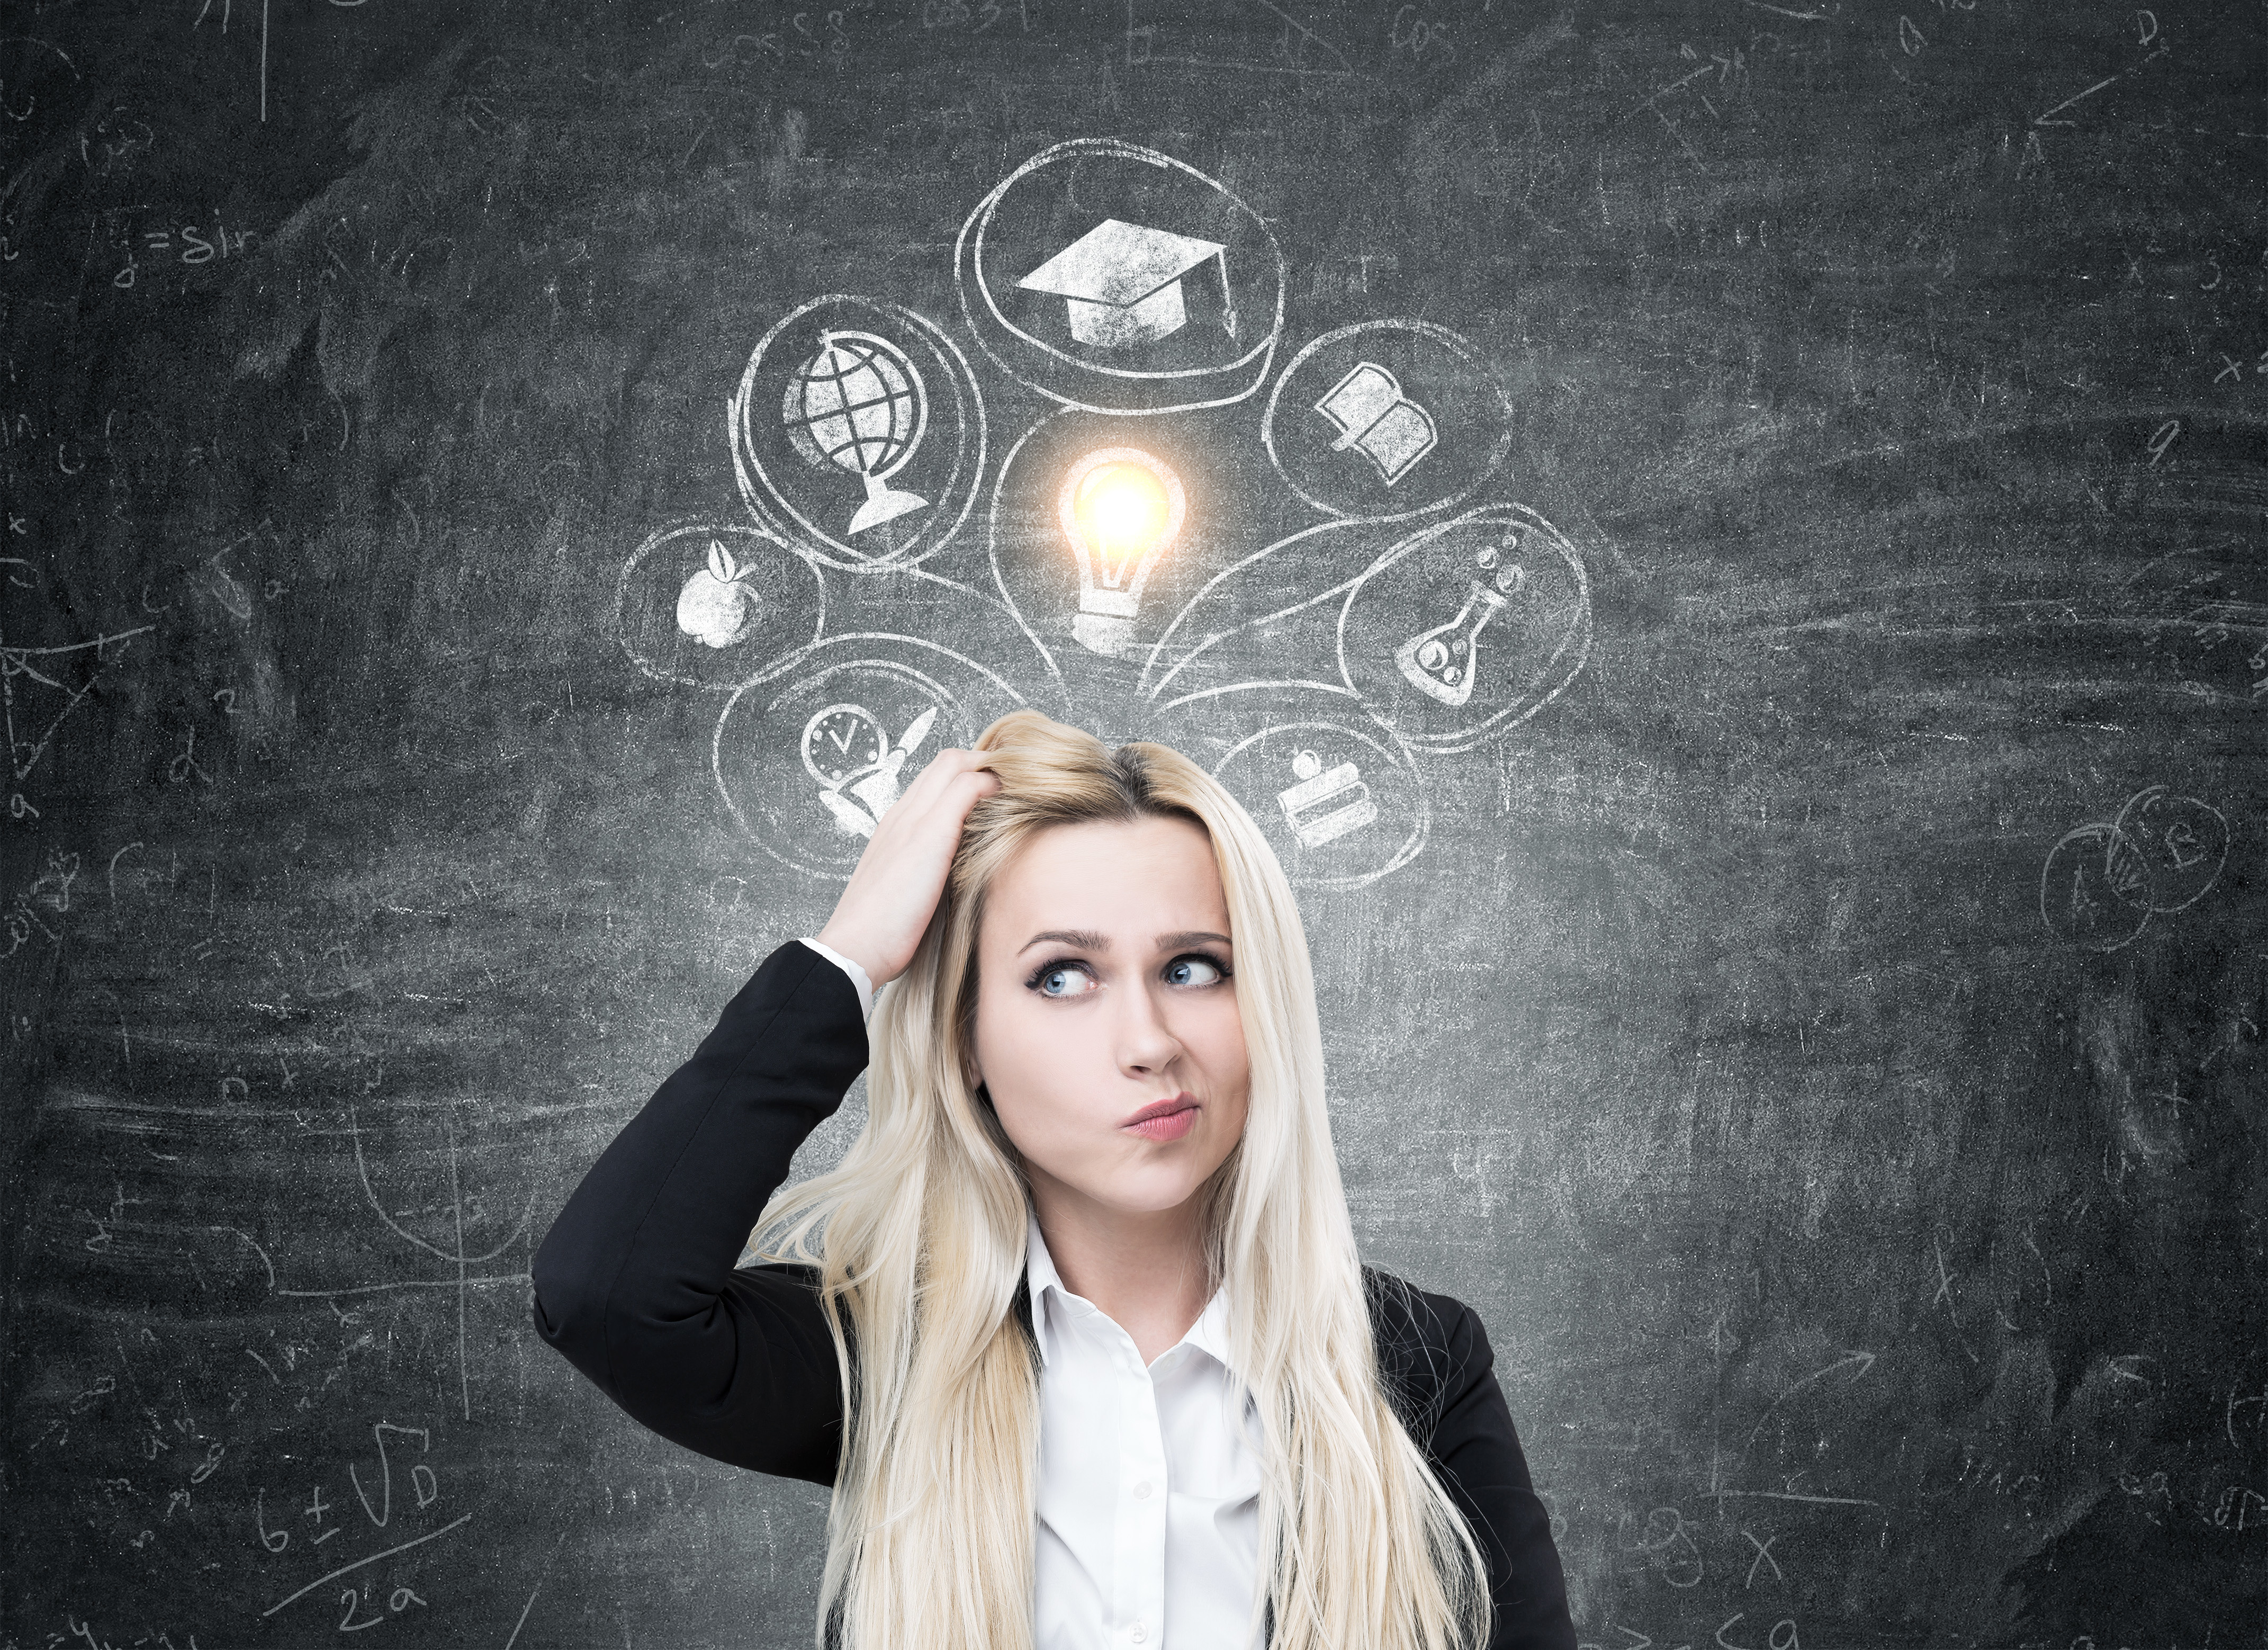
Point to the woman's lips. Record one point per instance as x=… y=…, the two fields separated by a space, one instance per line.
x=1172 y=1126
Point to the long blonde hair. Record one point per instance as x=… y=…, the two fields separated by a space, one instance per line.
x=930 y=1532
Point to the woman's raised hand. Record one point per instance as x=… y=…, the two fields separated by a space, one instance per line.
x=892 y=894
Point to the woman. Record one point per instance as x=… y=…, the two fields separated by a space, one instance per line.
x=1087 y=1288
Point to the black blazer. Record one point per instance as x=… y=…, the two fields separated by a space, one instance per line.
x=636 y=1286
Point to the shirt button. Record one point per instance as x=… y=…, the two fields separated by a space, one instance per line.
x=1142 y=1491
x=1138 y=1632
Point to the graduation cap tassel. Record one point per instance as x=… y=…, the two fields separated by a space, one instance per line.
x=1227 y=296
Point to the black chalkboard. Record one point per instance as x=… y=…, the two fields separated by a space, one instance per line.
x=1724 y=543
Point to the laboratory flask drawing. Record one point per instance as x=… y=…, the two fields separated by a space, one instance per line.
x=1466 y=629
x=1444 y=662
x=859 y=405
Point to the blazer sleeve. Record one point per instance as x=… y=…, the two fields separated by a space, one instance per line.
x=634 y=1282
x=1478 y=1457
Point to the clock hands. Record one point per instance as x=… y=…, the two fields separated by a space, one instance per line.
x=875 y=784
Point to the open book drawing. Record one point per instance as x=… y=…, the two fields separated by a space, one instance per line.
x=1376 y=419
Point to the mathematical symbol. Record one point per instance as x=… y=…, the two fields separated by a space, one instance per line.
x=185 y=764
x=2228 y=1417
x=1764 y=1556
x=1944 y=1278
x=2231 y=368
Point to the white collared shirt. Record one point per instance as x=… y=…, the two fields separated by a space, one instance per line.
x=1148 y=1526
x=1149 y=1513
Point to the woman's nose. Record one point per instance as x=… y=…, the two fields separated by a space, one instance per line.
x=1145 y=1042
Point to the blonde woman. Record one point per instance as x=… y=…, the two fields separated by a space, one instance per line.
x=1076 y=1331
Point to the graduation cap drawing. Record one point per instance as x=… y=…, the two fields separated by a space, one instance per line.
x=1123 y=282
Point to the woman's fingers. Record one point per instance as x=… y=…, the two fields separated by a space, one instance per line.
x=894 y=891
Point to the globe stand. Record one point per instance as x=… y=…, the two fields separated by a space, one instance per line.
x=883 y=503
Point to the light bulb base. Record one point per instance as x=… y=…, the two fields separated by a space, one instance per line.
x=1115 y=604
x=1107 y=634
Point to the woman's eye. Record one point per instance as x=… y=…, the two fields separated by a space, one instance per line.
x=1046 y=982
x=1204 y=971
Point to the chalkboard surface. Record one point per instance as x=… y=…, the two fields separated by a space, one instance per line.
x=1724 y=543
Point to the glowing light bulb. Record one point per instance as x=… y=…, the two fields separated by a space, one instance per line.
x=1120 y=508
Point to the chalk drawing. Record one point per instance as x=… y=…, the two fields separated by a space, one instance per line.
x=31 y=719
x=1256 y=36
x=2102 y=883
x=1467 y=629
x=858 y=420
x=717 y=604
x=1120 y=508
x=456 y=1255
x=2076 y=899
x=1121 y=283
x=1418 y=402
x=1339 y=798
x=808 y=759
x=856 y=764
x=1375 y=418
x=1078 y=524
x=859 y=405
x=2177 y=845
x=1258 y=594
x=1106 y=322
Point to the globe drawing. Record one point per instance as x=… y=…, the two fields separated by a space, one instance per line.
x=859 y=405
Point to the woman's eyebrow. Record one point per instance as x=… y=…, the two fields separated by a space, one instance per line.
x=1089 y=940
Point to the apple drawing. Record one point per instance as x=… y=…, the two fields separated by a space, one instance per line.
x=717 y=606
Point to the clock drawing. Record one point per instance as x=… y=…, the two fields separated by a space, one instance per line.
x=840 y=740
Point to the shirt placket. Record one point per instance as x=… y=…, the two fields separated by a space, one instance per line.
x=1138 y=1584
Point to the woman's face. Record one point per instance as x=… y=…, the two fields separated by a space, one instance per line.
x=1104 y=985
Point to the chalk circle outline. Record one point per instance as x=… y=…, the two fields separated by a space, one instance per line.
x=2141 y=836
x=968 y=270
x=1458 y=345
x=952 y=704
x=2079 y=851
x=654 y=545
x=969 y=422
x=1405 y=761
x=1579 y=634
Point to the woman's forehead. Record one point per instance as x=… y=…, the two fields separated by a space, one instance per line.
x=1129 y=881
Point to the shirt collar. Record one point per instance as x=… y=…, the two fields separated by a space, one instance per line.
x=1209 y=1334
